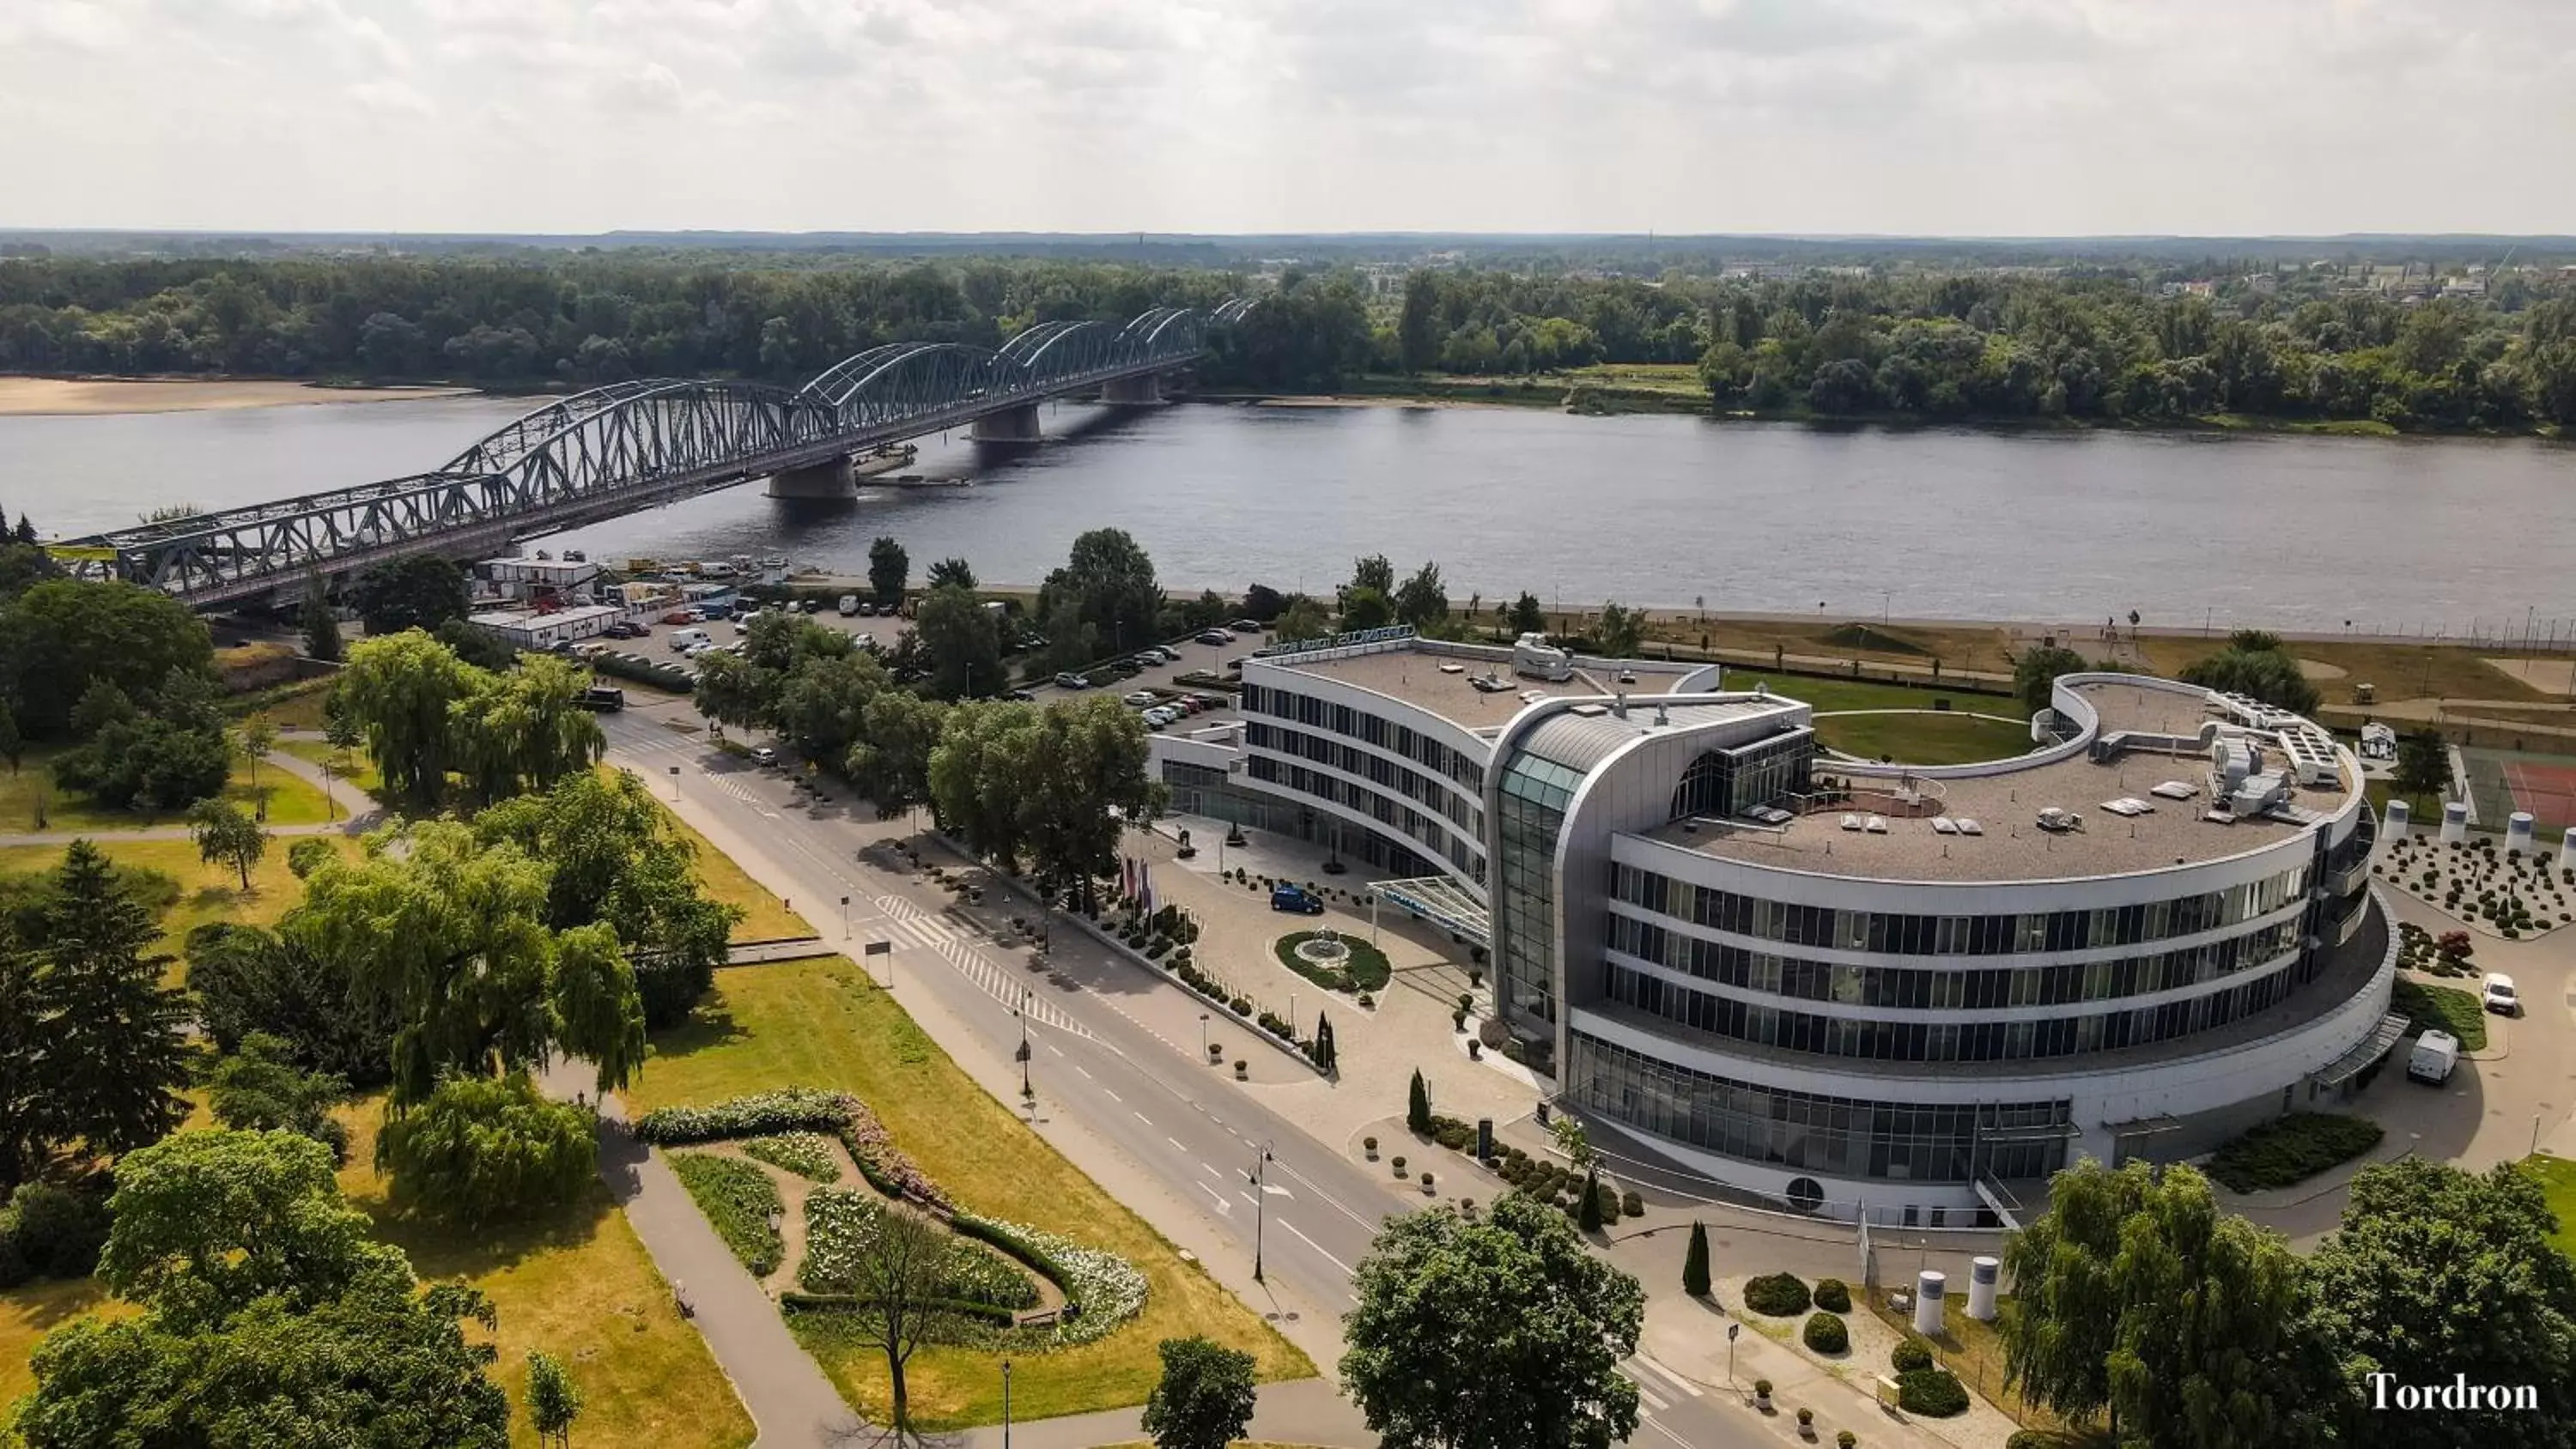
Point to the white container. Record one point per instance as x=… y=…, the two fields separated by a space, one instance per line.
x=2567 y=849
x=2455 y=822
x=2394 y=820
x=2517 y=832
x=1983 y=1274
x=1929 y=1287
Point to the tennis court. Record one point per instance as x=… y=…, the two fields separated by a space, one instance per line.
x=2502 y=783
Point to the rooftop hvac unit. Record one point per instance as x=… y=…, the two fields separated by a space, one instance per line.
x=2059 y=822
x=1534 y=656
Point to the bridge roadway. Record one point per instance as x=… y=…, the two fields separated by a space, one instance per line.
x=635 y=445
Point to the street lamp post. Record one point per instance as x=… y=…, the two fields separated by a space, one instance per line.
x=1260 y=1176
x=1006 y=1404
x=1203 y=1051
x=845 y=918
x=1022 y=1012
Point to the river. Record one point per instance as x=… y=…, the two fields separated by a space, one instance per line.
x=2291 y=531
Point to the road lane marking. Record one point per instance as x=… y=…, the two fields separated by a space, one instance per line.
x=1211 y=1171
x=1177 y=1143
x=1222 y=1205
x=1086 y=1071
x=1113 y=1096
x=1644 y=1393
x=1139 y=1116
x=1319 y=1248
x=1051 y=1046
x=1650 y=1363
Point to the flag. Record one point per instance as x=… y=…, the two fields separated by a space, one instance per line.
x=1145 y=885
x=1127 y=877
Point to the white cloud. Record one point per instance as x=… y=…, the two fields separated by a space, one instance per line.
x=1976 y=116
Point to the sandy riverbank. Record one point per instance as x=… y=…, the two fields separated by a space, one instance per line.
x=93 y=397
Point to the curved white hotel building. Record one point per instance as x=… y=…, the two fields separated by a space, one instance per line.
x=1838 y=984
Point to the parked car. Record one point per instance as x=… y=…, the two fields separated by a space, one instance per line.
x=1247 y=626
x=684 y=640
x=1297 y=899
x=1021 y=696
x=764 y=756
x=1071 y=680
x=1159 y=655
x=742 y=621
x=606 y=699
x=1159 y=717
x=682 y=616
x=867 y=609
x=2436 y=1053
x=1215 y=636
x=715 y=611
x=1140 y=698
x=2499 y=996
x=626 y=629
x=849 y=605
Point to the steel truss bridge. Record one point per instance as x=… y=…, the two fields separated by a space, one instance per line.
x=635 y=445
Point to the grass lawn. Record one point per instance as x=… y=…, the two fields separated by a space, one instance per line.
x=818 y=1023
x=1974 y=1351
x=290 y=800
x=2398 y=671
x=206 y=892
x=580 y=1287
x=1923 y=739
x=2558 y=1179
x=1956 y=646
x=1831 y=696
x=353 y=766
x=30 y=1311
x=765 y=917
x=291 y=706
x=2444 y=1008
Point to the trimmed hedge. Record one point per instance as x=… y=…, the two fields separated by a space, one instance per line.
x=737 y=1199
x=1932 y=1392
x=2293 y=1149
x=672 y=677
x=1833 y=1295
x=763 y=1114
x=1826 y=1333
x=1364 y=969
x=1777 y=1295
x=799 y=1301
x=1910 y=1356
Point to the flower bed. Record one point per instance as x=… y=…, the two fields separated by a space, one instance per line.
x=807 y=1154
x=769 y=1114
x=841 y=1223
x=1365 y=968
x=738 y=1200
x=1101 y=1290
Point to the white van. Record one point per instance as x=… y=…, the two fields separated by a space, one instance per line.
x=2436 y=1054
x=684 y=640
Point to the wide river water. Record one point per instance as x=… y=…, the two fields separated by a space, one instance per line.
x=2297 y=532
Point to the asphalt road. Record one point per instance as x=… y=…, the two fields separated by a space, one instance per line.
x=1194 y=1133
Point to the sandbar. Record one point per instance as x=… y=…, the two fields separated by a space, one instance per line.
x=93 y=397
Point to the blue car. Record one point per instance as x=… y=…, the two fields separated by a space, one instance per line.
x=1295 y=898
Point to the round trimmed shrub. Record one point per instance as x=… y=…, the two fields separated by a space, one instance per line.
x=1911 y=1356
x=1833 y=1295
x=1826 y=1333
x=2030 y=1439
x=1777 y=1295
x=1931 y=1392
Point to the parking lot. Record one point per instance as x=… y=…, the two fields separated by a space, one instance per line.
x=1163 y=679
x=656 y=643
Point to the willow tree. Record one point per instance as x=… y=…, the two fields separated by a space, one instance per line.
x=453 y=935
x=525 y=730
x=401 y=689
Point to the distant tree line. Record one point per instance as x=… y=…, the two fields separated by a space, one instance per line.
x=2075 y=343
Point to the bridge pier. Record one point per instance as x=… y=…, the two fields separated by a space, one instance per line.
x=817 y=480
x=1011 y=425
x=1133 y=391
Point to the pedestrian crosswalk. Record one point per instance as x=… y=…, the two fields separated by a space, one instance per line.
x=1654 y=1382
x=993 y=980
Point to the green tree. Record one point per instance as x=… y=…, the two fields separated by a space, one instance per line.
x=526 y=729
x=321 y=623
x=1527 y=616
x=486 y=1149
x=1619 y=631
x=114 y=1054
x=974 y=769
x=1588 y=1212
x=400 y=691
x=61 y=636
x=1302 y=619
x=734 y=691
x=259 y=1088
x=2423 y=764
x=247 y=980
x=901 y=1273
x=1422 y=602
x=1491 y=1333
x=2434 y=1272
x=476 y=645
x=1366 y=608
x=419 y=592
x=1108 y=582
x=2137 y=1295
x=1204 y=1399
x=952 y=573
x=225 y=836
x=269 y=1312
x=1417 y=1105
x=13 y=746
x=889 y=570
x=2268 y=674
x=616 y=858
x=554 y=1402
x=2036 y=670
x=453 y=934
x=1375 y=572
x=963 y=641
x=891 y=762
x=1695 y=1280
x=257 y=740
x=822 y=704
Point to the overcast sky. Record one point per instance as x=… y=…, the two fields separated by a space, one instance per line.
x=1983 y=117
